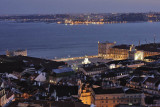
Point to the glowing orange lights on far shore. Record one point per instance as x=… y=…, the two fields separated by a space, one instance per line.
x=71 y=22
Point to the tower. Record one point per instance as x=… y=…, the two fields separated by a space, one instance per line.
x=132 y=52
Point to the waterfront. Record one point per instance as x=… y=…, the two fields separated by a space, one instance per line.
x=57 y=40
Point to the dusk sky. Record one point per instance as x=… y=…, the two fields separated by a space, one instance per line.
x=76 y=6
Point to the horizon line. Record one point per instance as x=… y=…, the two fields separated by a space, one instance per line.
x=76 y=13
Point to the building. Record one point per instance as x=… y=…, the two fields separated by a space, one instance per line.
x=2 y=97
x=125 y=63
x=152 y=85
x=119 y=52
x=9 y=97
x=36 y=103
x=149 y=49
x=93 y=69
x=16 y=53
x=134 y=54
x=60 y=92
x=59 y=74
x=104 y=49
x=62 y=71
x=113 y=51
x=41 y=77
x=85 y=94
x=152 y=58
x=102 y=96
x=117 y=73
x=115 y=96
x=136 y=82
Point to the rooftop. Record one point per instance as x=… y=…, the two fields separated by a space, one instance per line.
x=152 y=47
x=121 y=69
x=156 y=57
x=152 y=80
x=62 y=70
x=100 y=90
x=137 y=79
x=63 y=90
x=93 y=67
x=123 y=46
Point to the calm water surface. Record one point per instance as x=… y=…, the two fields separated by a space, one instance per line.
x=56 y=40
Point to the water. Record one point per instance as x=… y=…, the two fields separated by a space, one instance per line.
x=58 y=40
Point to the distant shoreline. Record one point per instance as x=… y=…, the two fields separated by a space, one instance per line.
x=70 y=24
x=86 y=19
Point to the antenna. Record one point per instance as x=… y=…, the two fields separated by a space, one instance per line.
x=146 y=41
x=139 y=42
x=154 y=38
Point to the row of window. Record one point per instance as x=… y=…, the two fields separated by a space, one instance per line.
x=120 y=101
x=102 y=68
x=92 y=73
x=2 y=92
x=119 y=97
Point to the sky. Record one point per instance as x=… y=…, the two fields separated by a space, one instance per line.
x=10 y=7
